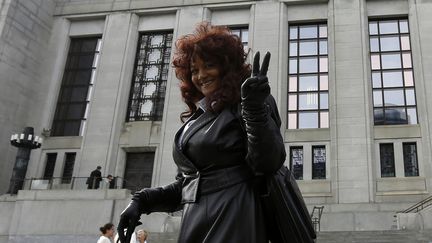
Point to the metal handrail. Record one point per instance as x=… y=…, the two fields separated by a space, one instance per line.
x=418 y=206
x=75 y=183
x=316 y=217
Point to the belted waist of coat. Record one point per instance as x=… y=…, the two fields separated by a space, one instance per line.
x=202 y=183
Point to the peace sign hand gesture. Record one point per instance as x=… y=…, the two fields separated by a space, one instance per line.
x=256 y=88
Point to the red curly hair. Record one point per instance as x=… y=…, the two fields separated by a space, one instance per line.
x=220 y=46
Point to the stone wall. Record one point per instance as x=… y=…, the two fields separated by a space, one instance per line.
x=25 y=27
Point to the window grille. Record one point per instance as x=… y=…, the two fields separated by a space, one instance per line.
x=147 y=95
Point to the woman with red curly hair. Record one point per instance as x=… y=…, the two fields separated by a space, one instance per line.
x=229 y=138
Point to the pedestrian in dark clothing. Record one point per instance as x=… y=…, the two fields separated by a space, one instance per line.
x=94 y=179
x=111 y=182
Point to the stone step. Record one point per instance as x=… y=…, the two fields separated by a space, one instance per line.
x=391 y=236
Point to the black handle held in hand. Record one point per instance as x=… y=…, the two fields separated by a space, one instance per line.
x=256 y=88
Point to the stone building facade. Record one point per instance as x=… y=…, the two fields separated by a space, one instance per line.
x=93 y=78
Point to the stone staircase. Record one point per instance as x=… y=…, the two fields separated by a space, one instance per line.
x=389 y=236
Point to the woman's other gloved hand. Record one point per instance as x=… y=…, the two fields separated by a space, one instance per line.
x=129 y=219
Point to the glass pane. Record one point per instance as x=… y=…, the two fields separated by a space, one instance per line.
x=387 y=160
x=245 y=36
x=308 y=101
x=308 y=31
x=292 y=102
x=409 y=80
x=375 y=62
x=308 y=48
x=406 y=57
x=149 y=89
x=151 y=72
x=323 y=65
x=323 y=31
x=308 y=65
x=403 y=24
x=154 y=56
x=75 y=111
x=392 y=79
x=373 y=28
x=378 y=116
x=292 y=121
x=391 y=61
x=390 y=43
x=395 y=116
x=308 y=82
x=146 y=107
x=82 y=77
x=292 y=84
x=79 y=94
x=308 y=119
x=324 y=123
x=71 y=128
x=292 y=65
x=405 y=42
x=318 y=162
x=324 y=82
x=410 y=159
x=394 y=97
x=377 y=98
x=412 y=115
x=88 y=45
x=324 y=101
x=156 y=40
x=323 y=47
x=374 y=45
x=388 y=27
x=86 y=61
x=293 y=49
x=293 y=32
x=410 y=97
x=296 y=162
x=376 y=79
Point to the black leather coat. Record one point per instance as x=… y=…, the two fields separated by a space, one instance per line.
x=218 y=163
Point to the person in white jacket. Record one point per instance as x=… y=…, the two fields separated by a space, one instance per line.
x=107 y=233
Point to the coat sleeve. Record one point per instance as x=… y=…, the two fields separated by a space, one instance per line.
x=160 y=199
x=265 y=146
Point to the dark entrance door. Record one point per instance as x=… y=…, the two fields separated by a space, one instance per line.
x=139 y=170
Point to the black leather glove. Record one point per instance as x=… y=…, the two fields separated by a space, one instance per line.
x=129 y=219
x=255 y=90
